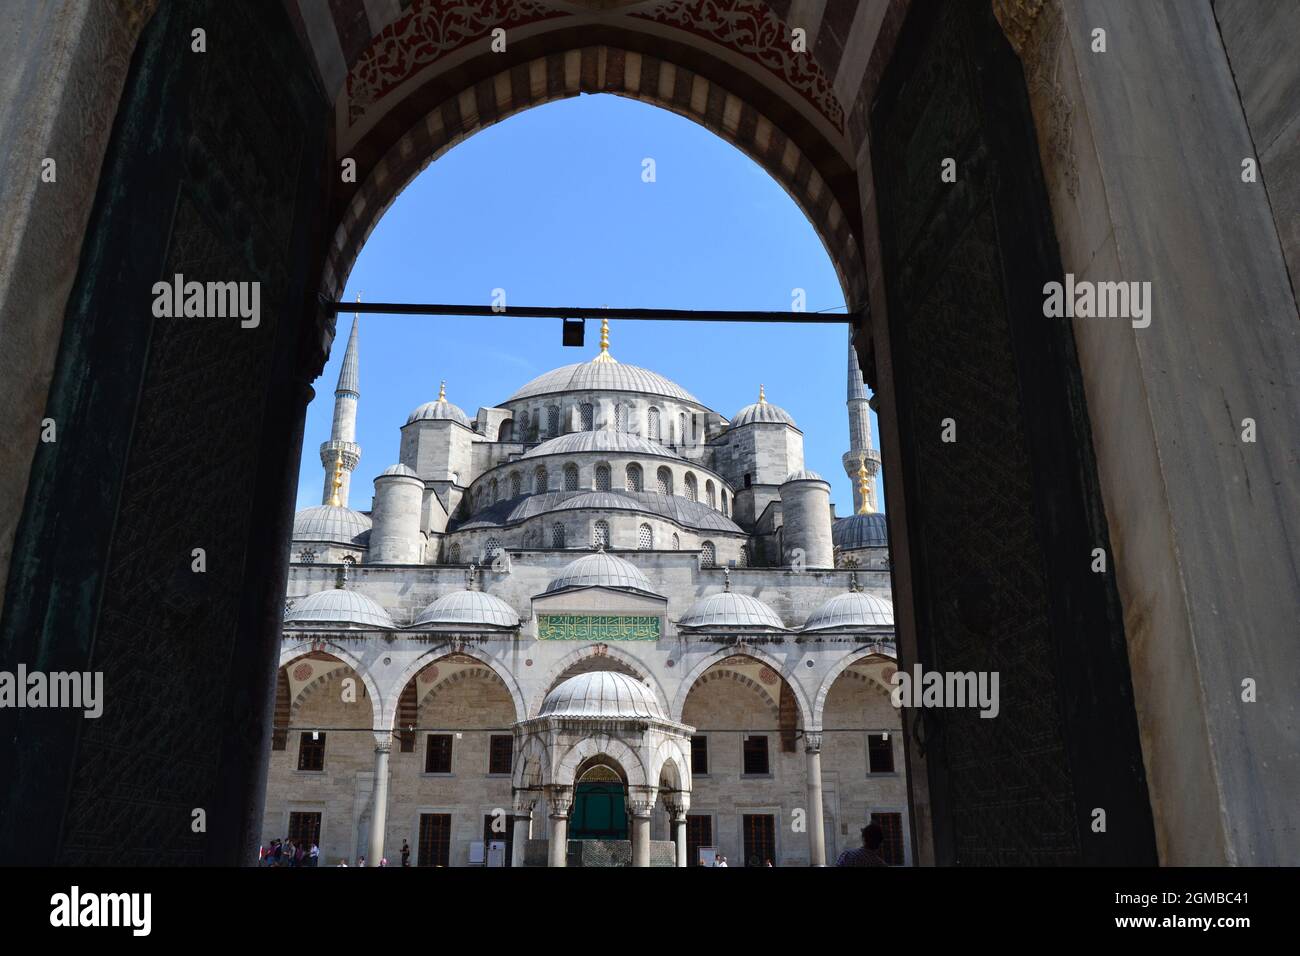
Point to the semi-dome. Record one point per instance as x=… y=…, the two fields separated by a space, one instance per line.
x=606 y=375
x=728 y=609
x=468 y=607
x=398 y=470
x=851 y=609
x=599 y=500
x=601 y=570
x=694 y=515
x=338 y=606
x=439 y=410
x=604 y=440
x=601 y=695
x=330 y=523
x=762 y=411
x=860 y=531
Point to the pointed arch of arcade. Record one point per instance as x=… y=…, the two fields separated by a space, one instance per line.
x=602 y=745
x=638 y=668
x=867 y=652
x=744 y=650
x=670 y=767
x=315 y=649
x=432 y=656
x=533 y=753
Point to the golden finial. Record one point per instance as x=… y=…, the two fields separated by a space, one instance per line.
x=864 y=486
x=338 y=481
x=442 y=390
x=604 y=355
x=762 y=396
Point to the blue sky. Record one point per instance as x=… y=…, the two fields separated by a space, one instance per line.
x=550 y=206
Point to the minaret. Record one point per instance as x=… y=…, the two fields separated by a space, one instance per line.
x=861 y=461
x=342 y=448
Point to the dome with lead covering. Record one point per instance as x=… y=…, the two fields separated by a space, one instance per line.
x=598 y=375
x=601 y=570
x=439 y=410
x=601 y=695
x=330 y=523
x=762 y=412
x=603 y=440
x=338 y=606
x=803 y=474
x=397 y=470
x=676 y=508
x=468 y=607
x=851 y=609
x=728 y=609
x=860 y=531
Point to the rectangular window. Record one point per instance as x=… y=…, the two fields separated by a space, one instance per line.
x=760 y=838
x=500 y=751
x=700 y=754
x=880 y=753
x=311 y=751
x=699 y=832
x=892 y=849
x=435 y=839
x=304 y=829
x=504 y=831
x=755 y=755
x=437 y=754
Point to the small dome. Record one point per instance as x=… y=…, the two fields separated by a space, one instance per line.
x=728 y=609
x=399 y=470
x=439 y=410
x=602 y=441
x=330 y=523
x=860 y=531
x=601 y=570
x=600 y=695
x=468 y=607
x=803 y=474
x=762 y=411
x=851 y=609
x=339 y=606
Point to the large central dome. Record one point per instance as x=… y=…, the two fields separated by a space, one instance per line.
x=598 y=375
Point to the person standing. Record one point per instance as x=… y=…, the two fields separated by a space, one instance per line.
x=315 y=854
x=406 y=854
x=869 y=853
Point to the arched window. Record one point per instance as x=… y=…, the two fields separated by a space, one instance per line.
x=587 y=415
x=307 y=556
x=677 y=542
x=523 y=426
x=600 y=534
x=493 y=491
x=708 y=555
x=620 y=417
x=516 y=485
x=710 y=494
x=652 y=424
x=539 y=480
x=645 y=538
x=350 y=560
x=557 y=536
x=724 y=504
x=743 y=560
x=664 y=478
x=453 y=554
x=570 y=477
x=634 y=478
x=692 y=490
x=491 y=549
x=602 y=477
x=507 y=431
x=553 y=421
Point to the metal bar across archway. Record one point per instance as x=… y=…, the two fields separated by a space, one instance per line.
x=574 y=312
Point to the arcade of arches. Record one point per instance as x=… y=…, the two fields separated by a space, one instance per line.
x=1121 y=688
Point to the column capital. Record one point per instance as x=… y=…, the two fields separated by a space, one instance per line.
x=560 y=800
x=523 y=802
x=678 y=805
x=641 y=800
x=383 y=743
x=812 y=741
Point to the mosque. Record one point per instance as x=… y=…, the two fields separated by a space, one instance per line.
x=596 y=624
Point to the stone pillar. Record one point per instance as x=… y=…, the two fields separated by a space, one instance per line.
x=640 y=806
x=677 y=808
x=816 y=826
x=560 y=800
x=379 y=813
x=523 y=828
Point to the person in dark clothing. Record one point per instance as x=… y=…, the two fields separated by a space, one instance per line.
x=406 y=854
x=869 y=853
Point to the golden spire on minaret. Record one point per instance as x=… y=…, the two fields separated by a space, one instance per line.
x=604 y=355
x=762 y=396
x=442 y=390
x=338 y=481
x=864 y=486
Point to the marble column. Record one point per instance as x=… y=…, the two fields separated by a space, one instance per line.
x=560 y=799
x=640 y=810
x=523 y=828
x=677 y=808
x=379 y=812
x=816 y=827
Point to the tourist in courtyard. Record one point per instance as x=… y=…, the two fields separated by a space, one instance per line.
x=869 y=853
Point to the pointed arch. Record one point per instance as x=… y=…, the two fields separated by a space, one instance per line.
x=560 y=669
x=861 y=653
x=601 y=745
x=291 y=653
x=744 y=650
x=433 y=655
